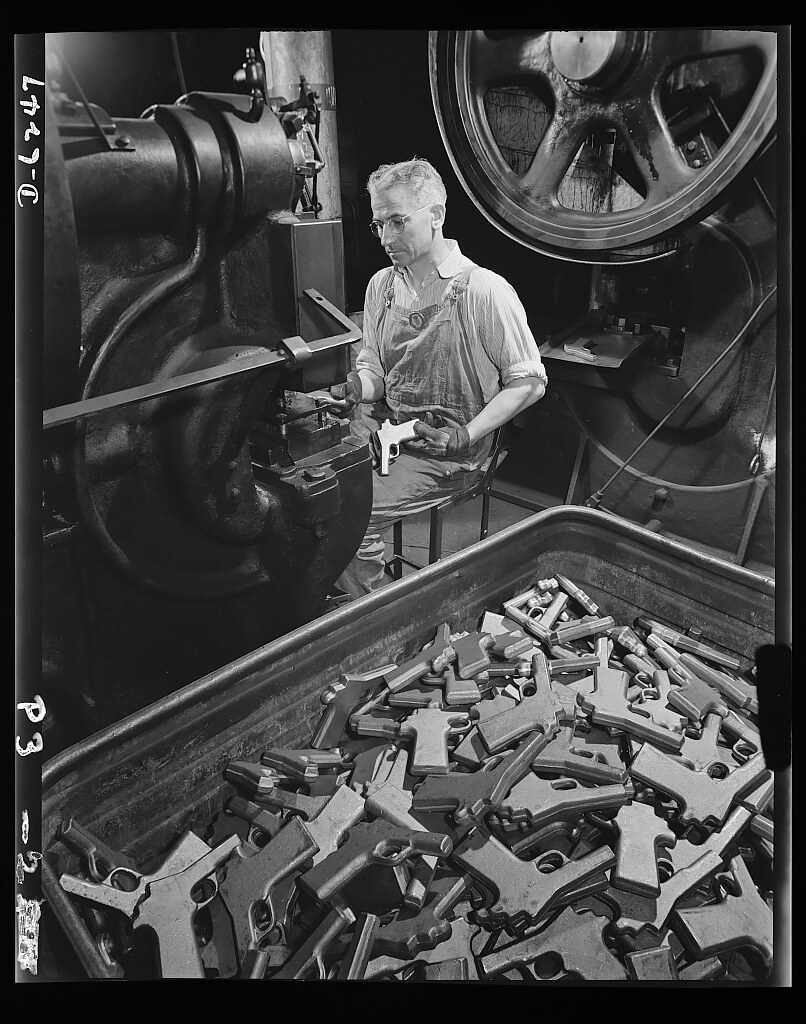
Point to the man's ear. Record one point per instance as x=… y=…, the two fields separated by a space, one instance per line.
x=438 y=213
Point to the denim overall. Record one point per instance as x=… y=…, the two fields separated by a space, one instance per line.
x=427 y=368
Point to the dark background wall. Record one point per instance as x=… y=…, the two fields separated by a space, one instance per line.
x=384 y=114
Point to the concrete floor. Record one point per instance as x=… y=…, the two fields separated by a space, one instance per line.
x=460 y=529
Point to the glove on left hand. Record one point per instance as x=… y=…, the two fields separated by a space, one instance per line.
x=440 y=440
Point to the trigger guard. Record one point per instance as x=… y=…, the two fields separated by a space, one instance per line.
x=320 y=966
x=214 y=881
x=256 y=931
x=394 y=859
x=554 y=854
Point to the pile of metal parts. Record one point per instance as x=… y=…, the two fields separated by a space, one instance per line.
x=556 y=796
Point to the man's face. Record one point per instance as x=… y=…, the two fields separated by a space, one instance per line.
x=417 y=236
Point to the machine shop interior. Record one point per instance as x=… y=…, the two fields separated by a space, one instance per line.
x=542 y=756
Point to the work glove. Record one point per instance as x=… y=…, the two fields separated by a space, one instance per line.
x=441 y=439
x=345 y=397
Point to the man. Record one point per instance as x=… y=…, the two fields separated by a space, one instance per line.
x=446 y=342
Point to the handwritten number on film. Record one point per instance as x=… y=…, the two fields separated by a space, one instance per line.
x=27 y=189
x=35 y=712
x=34 y=709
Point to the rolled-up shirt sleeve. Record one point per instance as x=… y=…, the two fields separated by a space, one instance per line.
x=499 y=322
x=369 y=358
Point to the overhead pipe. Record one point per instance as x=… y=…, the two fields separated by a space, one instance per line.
x=289 y=55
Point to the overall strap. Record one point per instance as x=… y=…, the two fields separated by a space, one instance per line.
x=460 y=283
x=388 y=288
x=458 y=288
x=389 y=285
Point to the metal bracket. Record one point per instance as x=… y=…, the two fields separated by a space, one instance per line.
x=297 y=349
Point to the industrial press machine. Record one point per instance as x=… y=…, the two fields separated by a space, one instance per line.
x=648 y=157
x=199 y=502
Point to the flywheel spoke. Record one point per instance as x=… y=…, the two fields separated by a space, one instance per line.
x=660 y=164
x=553 y=157
x=495 y=61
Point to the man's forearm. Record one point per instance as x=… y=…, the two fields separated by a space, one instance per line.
x=371 y=385
x=513 y=398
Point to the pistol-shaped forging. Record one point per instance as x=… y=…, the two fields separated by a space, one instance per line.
x=390 y=437
x=101 y=859
x=164 y=900
x=341 y=699
x=744 y=919
x=574 y=938
x=522 y=894
x=252 y=882
x=579 y=595
x=376 y=843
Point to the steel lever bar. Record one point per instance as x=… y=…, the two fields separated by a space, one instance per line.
x=294 y=350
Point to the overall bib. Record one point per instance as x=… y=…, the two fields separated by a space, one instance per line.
x=427 y=368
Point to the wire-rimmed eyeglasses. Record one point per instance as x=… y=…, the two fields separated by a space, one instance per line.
x=397 y=223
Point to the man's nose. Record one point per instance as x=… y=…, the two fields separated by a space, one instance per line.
x=387 y=232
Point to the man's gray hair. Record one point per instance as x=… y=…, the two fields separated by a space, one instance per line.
x=416 y=175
